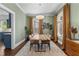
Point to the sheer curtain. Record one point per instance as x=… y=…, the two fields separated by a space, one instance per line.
x=35 y=25
x=60 y=31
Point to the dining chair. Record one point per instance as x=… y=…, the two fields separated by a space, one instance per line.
x=34 y=42
x=44 y=42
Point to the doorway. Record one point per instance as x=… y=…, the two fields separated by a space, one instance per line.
x=9 y=29
x=5 y=28
x=60 y=27
x=13 y=45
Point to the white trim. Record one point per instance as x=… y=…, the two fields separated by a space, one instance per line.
x=19 y=43
x=13 y=31
x=12 y=25
x=20 y=8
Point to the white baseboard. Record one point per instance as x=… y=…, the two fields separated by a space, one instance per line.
x=19 y=43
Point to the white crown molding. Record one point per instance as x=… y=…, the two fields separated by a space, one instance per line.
x=44 y=14
x=20 y=8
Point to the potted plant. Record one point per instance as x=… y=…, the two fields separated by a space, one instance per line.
x=27 y=33
x=74 y=31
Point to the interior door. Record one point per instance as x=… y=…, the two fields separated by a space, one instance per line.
x=55 y=29
x=66 y=24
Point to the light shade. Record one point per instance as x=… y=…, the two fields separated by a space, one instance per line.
x=40 y=17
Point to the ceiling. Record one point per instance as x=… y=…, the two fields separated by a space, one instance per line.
x=40 y=8
x=4 y=15
x=3 y=12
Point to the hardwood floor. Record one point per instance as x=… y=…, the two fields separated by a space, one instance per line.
x=10 y=52
x=59 y=45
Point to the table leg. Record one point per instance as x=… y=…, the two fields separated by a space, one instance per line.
x=49 y=46
x=41 y=46
x=38 y=47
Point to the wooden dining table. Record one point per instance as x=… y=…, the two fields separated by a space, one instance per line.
x=40 y=38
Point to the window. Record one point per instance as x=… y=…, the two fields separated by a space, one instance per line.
x=60 y=28
x=35 y=25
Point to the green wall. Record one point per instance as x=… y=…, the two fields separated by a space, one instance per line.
x=47 y=19
x=20 y=21
x=27 y=21
x=75 y=16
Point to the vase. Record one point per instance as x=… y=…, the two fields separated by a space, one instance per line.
x=73 y=35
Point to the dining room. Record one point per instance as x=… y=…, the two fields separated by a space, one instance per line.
x=41 y=37
x=42 y=31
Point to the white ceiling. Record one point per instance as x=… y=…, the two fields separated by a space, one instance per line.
x=40 y=8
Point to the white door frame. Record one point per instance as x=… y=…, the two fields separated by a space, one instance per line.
x=12 y=25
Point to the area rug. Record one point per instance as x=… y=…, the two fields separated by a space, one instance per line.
x=55 y=51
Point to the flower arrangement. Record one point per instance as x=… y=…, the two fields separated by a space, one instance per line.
x=74 y=31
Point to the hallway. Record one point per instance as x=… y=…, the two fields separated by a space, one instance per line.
x=55 y=51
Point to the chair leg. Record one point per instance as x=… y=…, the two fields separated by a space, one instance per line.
x=30 y=47
x=41 y=46
x=35 y=47
x=49 y=46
